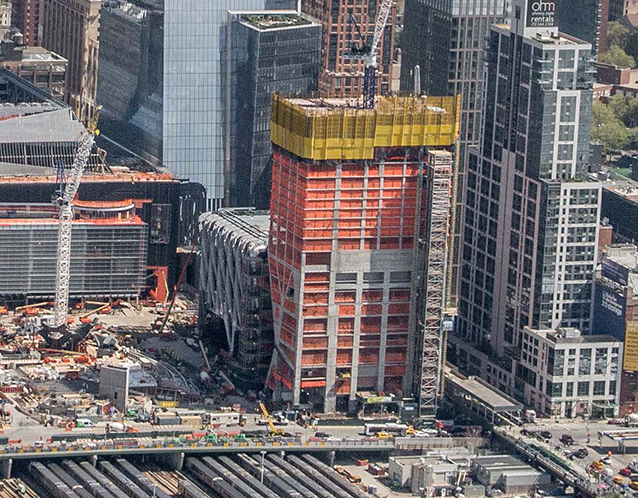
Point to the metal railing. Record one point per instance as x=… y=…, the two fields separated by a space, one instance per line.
x=147 y=445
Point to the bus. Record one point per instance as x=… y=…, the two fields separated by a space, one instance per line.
x=395 y=429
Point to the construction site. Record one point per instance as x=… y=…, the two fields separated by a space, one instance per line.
x=235 y=287
x=360 y=210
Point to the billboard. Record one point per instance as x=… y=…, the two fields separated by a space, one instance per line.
x=541 y=14
x=609 y=312
x=615 y=271
x=630 y=354
x=379 y=399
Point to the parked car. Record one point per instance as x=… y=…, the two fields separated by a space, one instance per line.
x=626 y=472
x=634 y=485
x=323 y=434
x=581 y=453
x=545 y=434
x=606 y=460
x=618 y=480
x=597 y=465
x=421 y=434
x=567 y=440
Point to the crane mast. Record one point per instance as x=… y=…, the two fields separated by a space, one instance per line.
x=65 y=205
x=370 y=59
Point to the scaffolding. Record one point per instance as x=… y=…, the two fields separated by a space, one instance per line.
x=431 y=262
x=331 y=128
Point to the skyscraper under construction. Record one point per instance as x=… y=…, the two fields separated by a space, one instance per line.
x=359 y=222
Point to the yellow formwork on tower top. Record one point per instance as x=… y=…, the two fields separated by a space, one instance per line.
x=334 y=128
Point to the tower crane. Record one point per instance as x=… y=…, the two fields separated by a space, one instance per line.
x=65 y=207
x=370 y=53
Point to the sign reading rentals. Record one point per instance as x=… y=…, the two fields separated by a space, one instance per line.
x=630 y=356
x=541 y=14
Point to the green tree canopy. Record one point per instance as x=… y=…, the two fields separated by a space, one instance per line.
x=617 y=56
x=607 y=128
x=617 y=34
x=624 y=108
x=631 y=46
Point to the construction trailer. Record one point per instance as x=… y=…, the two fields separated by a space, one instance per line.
x=355 y=193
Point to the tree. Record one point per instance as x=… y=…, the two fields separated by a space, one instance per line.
x=607 y=128
x=620 y=106
x=633 y=138
x=625 y=109
x=617 y=34
x=631 y=46
x=617 y=56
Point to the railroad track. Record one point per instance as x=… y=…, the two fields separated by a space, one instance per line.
x=167 y=480
x=12 y=488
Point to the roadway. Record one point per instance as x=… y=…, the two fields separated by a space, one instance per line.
x=585 y=435
x=29 y=431
x=165 y=446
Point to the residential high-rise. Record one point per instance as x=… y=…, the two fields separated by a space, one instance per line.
x=447 y=41
x=341 y=73
x=70 y=29
x=267 y=53
x=584 y=19
x=531 y=218
x=25 y=16
x=359 y=220
x=195 y=32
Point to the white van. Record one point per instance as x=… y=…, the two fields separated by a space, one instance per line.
x=84 y=422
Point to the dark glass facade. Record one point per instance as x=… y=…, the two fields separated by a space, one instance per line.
x=130 y=74
x=584 y=19
x=195 y=35
x=268 y=54
x=446 y=38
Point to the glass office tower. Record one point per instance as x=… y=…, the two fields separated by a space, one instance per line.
x=193 y=126
x=446 y=39
x=268 y=53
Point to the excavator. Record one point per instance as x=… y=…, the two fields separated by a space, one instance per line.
x=273 y=430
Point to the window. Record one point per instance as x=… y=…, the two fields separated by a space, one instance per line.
x=557 y=390
x=569 y=389
x=549 y=388
x=568 y=109
x=612 y=388
x=583 y=388
x=400 y=276
x=566 y=133
x=599 y=388
x=350 y=278
x=584 y=365
x=374 y=277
